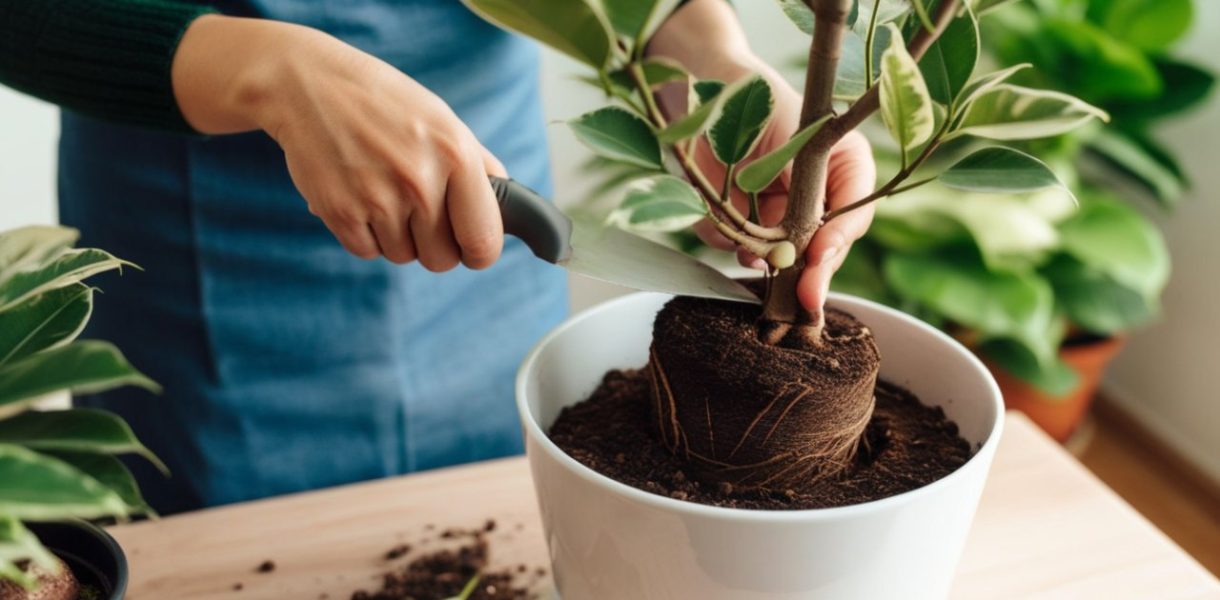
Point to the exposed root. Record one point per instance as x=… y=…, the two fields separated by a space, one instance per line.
x=784 y=414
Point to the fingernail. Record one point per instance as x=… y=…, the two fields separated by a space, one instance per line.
x=828 y=254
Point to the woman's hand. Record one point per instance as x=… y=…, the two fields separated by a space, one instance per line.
x=385 y=163
x=852 y=172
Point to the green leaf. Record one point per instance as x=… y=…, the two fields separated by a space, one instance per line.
x=657 y=71
x=906 y=106
x=707 y=89
x=950 y=60
x=78 y=429
x=25 y=247
x=1117 y=241
x=694 y=122
x=1000 y=170
x=44 y=321
x=1096 y=302
x=984 y=83
x=82 y=366
x=1131 y=158
x=1055 y=378
x=638 y=19
x=616 y=134
x=742 y=120
x=994 y=303
x=756 y=176
x=851 y=80
x=34 y=486
x=1009 y=112
x=887 y=11
x=20 y=544
x=1186 y=85
x=67 y=268
x=111 y=473
x=659 y=203
x=1011 y=232
x=799 y=13
x=573 y=27
x=1150 y=25
x=50 y=319
x=1094 y=63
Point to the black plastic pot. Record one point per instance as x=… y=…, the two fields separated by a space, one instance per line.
x=94 y=557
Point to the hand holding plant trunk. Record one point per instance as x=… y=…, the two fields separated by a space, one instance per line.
x=864 y=55
x=56 y=465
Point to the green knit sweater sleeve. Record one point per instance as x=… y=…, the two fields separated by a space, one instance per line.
x=105 y=58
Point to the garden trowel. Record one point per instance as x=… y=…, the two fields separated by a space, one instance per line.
x=605 y=252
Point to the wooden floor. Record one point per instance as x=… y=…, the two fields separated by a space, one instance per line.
x=1179 y=503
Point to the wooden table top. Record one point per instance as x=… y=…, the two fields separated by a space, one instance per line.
x=1046 y=528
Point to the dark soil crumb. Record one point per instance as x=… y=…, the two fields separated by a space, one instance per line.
x=398 y=551
x=267 y=566
x=906 y=445
x=237 y=587
x=444 y=573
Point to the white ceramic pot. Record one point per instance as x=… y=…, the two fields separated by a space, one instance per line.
x=610 y=541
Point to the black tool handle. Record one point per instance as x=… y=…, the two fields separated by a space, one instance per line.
x=540 y=224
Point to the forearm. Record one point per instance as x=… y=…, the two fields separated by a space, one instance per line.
x=227 y=68
x=106 y=58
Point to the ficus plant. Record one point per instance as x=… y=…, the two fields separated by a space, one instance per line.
x=914 y=62
x=56 y=464
x=911 y=61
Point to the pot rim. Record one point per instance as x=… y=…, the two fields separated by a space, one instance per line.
x=534 y=430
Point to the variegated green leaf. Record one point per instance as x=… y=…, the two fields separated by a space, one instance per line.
x=616 y=134
x=32 y=245
x=83 y=366
x=1010 y=112
x=906 y=106
x=756 y=176
x=35 y=486
x=742 y=119
x=44 y=321
x=69 y=267
x=575 y=27
x=659 y=203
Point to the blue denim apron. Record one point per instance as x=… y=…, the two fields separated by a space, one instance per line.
x=287 y=363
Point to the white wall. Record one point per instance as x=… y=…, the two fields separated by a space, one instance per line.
x=1166 y=376
x=28 y=132
x=1169 y=377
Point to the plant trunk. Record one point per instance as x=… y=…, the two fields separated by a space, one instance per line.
x=806 y=197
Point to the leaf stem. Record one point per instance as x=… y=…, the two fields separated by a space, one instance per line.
x=868 y=43
x=727 y=187
x=696 y=176
x=891 y=187
x=870 y=101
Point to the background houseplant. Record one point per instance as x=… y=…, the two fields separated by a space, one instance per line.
x=56 y=465
x=1003 y=266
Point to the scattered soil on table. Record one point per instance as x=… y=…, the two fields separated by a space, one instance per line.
x=444 y=573
x=266 y=566
x=905 y=446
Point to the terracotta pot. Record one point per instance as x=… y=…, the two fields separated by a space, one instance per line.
x=1060 y=415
